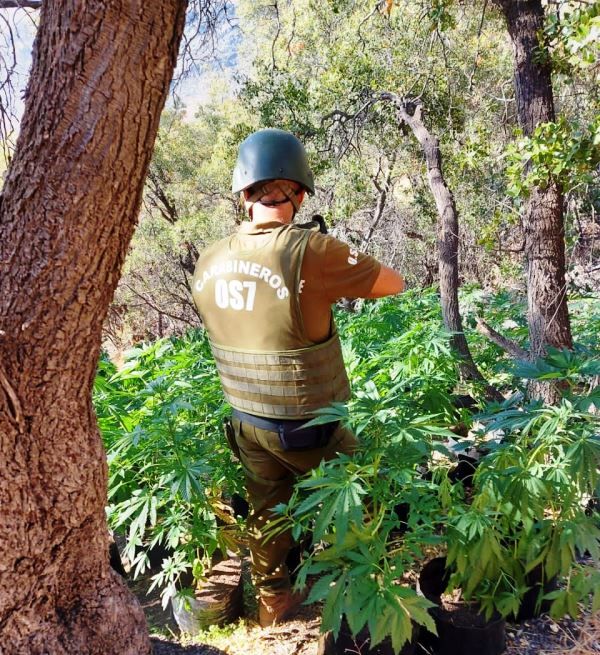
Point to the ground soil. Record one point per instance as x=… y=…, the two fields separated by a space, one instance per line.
x=540 y=636
x=245 y=637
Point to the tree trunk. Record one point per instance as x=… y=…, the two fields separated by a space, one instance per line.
x=447 y=240
x=100 y=75
x=548 y=314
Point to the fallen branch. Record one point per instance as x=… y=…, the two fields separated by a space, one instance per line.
x=506 y=344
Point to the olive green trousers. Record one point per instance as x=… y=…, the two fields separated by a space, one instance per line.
x=270 y=475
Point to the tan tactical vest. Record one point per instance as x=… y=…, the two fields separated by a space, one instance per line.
x=246 y=288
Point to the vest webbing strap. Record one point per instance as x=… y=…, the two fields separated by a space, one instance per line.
x=276 y=391
x=272 y=410
x=290 y=384
x=328 y=350
x=261 y=374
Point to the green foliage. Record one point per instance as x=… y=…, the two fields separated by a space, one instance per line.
x=400 y=341
x=572 y=366
x=528 y=509
x=561 y=152
x=574 y=34
x=585 y=320
x=364 y=557
x=376 y=515
x=529 y=506
x=160 y=416
x=400 y=368
x=440 y=15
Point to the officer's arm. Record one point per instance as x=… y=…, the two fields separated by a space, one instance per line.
x=387 y=283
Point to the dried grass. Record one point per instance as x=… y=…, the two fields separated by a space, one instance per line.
x=247 y=638
x=587 y=641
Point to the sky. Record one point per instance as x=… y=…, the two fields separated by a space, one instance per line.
x=18 y=26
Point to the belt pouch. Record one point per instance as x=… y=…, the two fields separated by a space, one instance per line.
x=316 y=436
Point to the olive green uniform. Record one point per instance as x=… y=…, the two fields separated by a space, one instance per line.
x=265 y=297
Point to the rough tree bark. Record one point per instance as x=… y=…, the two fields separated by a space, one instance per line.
x=100 y=75
x=548 y=314
x=447 y=240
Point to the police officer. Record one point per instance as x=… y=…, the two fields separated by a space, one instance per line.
x=265 y=296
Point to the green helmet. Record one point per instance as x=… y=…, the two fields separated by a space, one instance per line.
x=270 y=155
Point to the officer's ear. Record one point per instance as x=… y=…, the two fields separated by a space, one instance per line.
x=300 y=195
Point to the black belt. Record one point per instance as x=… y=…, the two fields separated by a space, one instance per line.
x=292 y=435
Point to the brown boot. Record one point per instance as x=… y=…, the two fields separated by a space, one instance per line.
x=280 y=607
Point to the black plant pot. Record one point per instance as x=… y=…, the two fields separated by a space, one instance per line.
x=434 y=579
x=593 y=505
x=115 y=558
x=402 y=512
x=346 y=644
x=461 y=629
x=464 y=402
x=157 y=554
x=464 y=470
x=426 y=473
x=240 y=506
x=529 y=607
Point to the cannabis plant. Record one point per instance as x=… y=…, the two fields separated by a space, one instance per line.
x=533 y=504
x=160 y=415
x=373 y=516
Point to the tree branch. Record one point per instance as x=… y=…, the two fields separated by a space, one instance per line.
x=381 y=201
x=410 y=113
x=159 y=197
x=512 y=348
x=476 y=57
x=153 y=306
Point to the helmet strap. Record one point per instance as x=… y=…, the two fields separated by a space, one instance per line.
x=291 y=195
x=287 y=190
